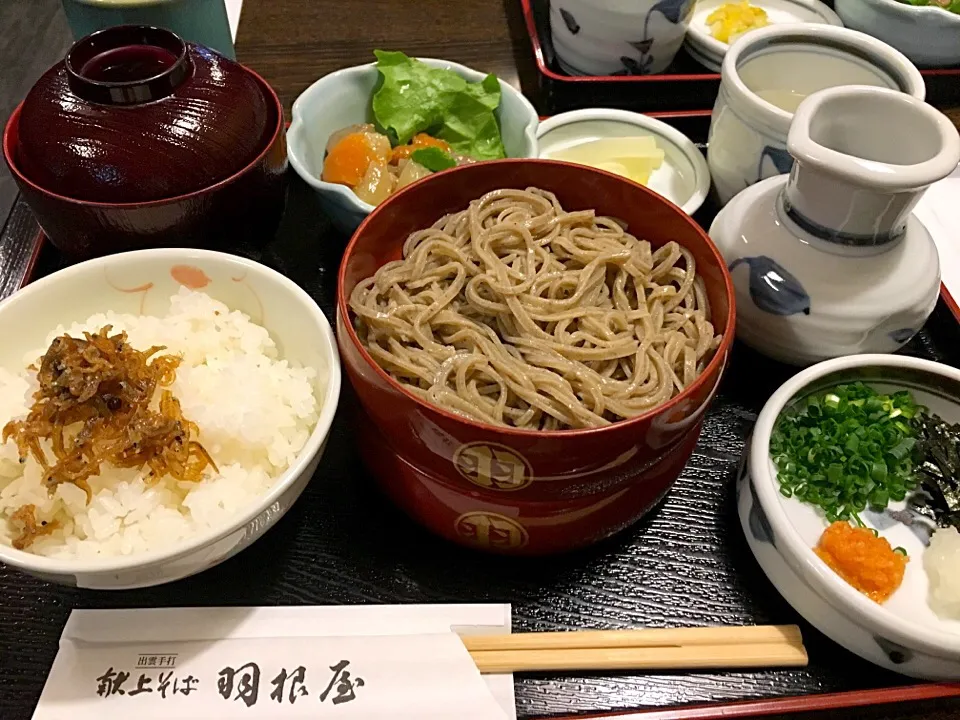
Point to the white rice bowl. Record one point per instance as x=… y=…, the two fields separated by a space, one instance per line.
x=254 y=409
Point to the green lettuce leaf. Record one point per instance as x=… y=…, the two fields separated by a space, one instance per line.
x=415 y=98
x=433 y=159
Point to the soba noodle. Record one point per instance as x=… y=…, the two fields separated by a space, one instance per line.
x=517 y=312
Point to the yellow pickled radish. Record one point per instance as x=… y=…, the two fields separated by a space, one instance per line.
x=729 y=21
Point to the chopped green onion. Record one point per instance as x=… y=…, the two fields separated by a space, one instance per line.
x=846 y=449
x=900 y=551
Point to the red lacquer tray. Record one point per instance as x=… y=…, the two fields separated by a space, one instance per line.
x=686 y=85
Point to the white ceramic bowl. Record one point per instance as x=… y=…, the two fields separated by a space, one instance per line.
x=748 y=132
x=343 y=98
x=709 y=52
x=141 y=283
x=683 y=179
x=903 y=634
x=607 y=37
x=930 y=36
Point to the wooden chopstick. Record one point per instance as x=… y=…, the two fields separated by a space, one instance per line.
x=639 y=638
x=642 y=649
x=694 y=657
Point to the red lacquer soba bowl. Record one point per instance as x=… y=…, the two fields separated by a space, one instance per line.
x=523 y=491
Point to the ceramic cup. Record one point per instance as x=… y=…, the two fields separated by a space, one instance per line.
x=765 y=76
x=618 y=37
x=203 y=22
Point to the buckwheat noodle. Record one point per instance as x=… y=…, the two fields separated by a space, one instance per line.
x=517 y=312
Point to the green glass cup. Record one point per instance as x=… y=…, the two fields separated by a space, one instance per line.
x=203 y=22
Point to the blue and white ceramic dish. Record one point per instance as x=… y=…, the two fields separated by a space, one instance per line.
x=765 y=76
x=903 y=634
x=618 y=37
x=709 y=52
x=683 y=178
x=928 y=35
x=343 y=98
x=829 y=260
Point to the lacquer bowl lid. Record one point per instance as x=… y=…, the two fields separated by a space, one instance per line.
x=134 y=114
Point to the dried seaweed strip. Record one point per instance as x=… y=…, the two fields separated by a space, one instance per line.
x=938 y=446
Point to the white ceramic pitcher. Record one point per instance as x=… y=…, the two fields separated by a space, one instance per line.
x=829 y=260
x=765 y=76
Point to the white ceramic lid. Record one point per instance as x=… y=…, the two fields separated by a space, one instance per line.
x=709 y=51
x=683 y=178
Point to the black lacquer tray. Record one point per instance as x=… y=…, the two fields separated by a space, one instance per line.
x=685 y=564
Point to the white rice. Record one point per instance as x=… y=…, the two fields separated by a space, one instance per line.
x=255 y=413
x=942 y=563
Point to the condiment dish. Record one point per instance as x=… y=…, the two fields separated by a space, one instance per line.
x=926 y=34
x=141 y=283
x=343 y=98
x=683 y=178
x=903 y=634
x=708 y=51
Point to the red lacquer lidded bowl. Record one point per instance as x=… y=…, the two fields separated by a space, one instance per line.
x=517 y=491
x=138 y=138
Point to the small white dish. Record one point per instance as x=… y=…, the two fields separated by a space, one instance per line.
x=709 y=51
x=683 y=178
x=928 y=35
x=904 y=634
x=344 y=97
x=141 y=283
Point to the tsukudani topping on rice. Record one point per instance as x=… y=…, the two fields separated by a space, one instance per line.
x=132 y=433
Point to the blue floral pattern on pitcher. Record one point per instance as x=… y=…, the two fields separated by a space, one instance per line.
x=569 y=21
x=772 y=288
x=781 y=159
x=902 y=335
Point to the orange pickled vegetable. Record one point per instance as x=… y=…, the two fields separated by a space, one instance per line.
x=348 y=160
x=422 y=140
x=864 y=560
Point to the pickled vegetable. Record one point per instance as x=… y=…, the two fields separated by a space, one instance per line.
x=411 y=172
x=730 y=21
x=376 y=185
x=422 y=140
x=348 y=160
